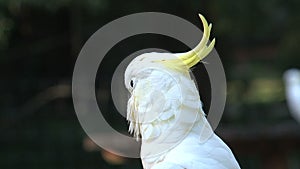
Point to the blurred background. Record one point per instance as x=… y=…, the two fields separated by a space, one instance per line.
x=40 y=41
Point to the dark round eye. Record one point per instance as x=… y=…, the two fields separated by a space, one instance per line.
x=131 y=83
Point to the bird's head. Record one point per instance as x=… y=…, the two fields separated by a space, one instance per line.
x=157 y=81
x=180 y=62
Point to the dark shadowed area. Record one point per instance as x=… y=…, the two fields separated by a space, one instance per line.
x=40 y=41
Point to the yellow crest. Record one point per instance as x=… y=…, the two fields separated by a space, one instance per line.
x=191 y=58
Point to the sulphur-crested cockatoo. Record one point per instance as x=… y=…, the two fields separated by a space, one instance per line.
x=292 y=86
x=165 y=112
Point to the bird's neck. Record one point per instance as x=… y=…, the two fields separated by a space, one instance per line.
x=155 y=150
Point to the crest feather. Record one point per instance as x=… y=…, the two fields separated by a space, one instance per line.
x=187 y=60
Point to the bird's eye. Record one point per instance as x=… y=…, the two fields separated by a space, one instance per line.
x=131 y=83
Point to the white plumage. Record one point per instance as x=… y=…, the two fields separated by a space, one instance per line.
x=292 y=84
x=166 y=112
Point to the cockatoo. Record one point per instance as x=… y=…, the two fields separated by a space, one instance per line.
x=292 y=85
x=165 y=111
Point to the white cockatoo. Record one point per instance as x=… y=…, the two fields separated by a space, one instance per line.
x=292 y=86
x=165 y=112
